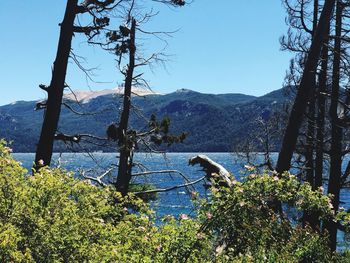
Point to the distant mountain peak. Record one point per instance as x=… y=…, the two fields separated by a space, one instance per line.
x=184 y=91
x=85 y=96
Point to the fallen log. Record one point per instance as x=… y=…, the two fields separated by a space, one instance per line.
x=212 y=169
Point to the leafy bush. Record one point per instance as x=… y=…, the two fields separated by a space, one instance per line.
x=247 y=225
x=53 y=217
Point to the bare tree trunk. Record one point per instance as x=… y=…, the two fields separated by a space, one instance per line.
x=55 y=90
x=309 y=217
x=321 y=104
x=309 y=156
x=320 y=123
x=311 y=118
x=305 y=90
x=336 y=130
x=124 y=169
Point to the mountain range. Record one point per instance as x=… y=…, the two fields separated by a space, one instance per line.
x=214 y=122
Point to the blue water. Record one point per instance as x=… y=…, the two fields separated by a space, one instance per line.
x=173 y=202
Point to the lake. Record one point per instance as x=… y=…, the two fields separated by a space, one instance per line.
x=173 y=202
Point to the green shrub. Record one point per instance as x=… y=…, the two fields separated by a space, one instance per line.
x=53 y=217
x=247 y=227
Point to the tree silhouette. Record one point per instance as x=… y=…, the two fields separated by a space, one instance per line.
x=305 y=90
x=335 y=172
x=96 y=10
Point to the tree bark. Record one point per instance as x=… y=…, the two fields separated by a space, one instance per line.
x=304 y=91
x=55 y=90
x=310 y=172
x=124 y=168
x=321 y=104
x=336 y=131
x=309 y=156
x=310 y=218
x=320 y=123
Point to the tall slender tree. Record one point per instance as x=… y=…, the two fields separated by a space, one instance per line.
x=125 y=161
x=335 y=172
x=122 y=42
x=321 y=109
x=96 y=10
x=305 y=89
x=56 y=87
x=311 y=124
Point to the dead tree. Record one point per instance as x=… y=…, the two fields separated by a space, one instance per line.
x=321 y=109
x=125 y=145
x=262 y=138
x=311 y=124
x=305 y=89
x=95 y=9
x=122 y=43
x=335 y=172
x=213 y=170
x=55 y=90
x=303 y=22
x=297 y=17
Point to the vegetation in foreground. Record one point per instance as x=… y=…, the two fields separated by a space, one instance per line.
x=52 y=217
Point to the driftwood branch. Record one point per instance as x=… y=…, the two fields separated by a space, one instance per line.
x=212 y=169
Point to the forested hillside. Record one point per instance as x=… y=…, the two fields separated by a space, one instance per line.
x=214 y=123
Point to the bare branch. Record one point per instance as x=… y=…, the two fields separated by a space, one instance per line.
x=161 y=172
x=97 y=179
x=170 y=188
x=212 y=169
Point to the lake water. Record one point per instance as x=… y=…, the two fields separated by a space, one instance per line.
x=173 y=202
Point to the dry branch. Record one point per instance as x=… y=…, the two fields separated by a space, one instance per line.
x=171 y=188
x=212 y=169
x=97 y=179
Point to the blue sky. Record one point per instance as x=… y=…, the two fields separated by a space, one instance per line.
x=228 y=47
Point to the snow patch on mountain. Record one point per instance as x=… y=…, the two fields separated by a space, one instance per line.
x=85 y=96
